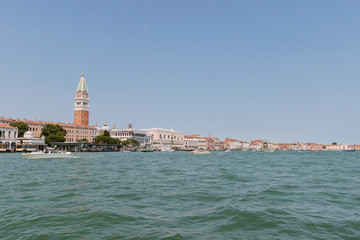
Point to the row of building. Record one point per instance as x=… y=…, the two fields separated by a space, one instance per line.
x=156 y=138
x=258 y=145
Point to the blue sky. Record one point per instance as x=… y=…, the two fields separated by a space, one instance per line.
x=277 y=70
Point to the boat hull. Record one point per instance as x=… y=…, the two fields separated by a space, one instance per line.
x=206 y=152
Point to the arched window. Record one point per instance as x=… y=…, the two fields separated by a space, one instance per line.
x=160 y=136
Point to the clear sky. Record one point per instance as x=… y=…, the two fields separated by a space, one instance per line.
x=277 y=70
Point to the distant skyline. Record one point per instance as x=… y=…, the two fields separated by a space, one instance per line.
x=277 y=70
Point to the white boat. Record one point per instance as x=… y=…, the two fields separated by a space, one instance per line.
x=166 y=149
x=227 y=150
x=200 y=152
x=267 y=150
x=51 y=154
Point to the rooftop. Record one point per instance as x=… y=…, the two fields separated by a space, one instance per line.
x=4 y=125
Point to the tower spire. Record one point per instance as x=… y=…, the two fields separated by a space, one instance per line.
x=81 y=108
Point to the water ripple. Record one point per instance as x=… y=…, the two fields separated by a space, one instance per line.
x=236 y=195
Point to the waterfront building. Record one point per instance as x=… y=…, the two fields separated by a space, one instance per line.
x=284 y=146
x=8 y=137
x=233 y=144
x=222 y=145
x=200 y=140
x=256 y=145
x=245 y=146
x=191 y=143
x=212 y=143
x=29 y=142
x=129 y=133
x=353 y=147
x=166 y=139
x=339 y=147
x=73 y=132
x=312 y=146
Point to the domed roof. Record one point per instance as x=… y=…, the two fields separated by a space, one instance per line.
x=105 y=127
x=28 y=134
x=114 y=128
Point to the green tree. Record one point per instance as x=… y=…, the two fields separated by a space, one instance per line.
x=53 y=133
x=106 y=133
x=82 y=140
x=102 y=139
x=130 y=143
x=22 y=127
x=334 y=143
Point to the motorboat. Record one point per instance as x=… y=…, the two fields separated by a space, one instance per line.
x=201 y=151
x=267 y=150
x=146 y=150
x=50 y=154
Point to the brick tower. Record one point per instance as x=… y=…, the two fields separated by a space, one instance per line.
x=81 y=109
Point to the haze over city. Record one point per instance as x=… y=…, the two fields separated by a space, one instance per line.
x=278 y=70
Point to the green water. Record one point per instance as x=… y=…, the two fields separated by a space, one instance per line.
x=176 y=195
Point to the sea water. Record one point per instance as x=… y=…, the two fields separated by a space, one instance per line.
x=176 y=195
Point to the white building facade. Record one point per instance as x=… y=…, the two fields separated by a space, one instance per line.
x=8 y=137
x=191 y=143
x=30 y=143
x=235 y=145
x=201 y=141
x=129 y=133
x=166 y=139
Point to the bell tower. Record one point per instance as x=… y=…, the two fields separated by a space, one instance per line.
x=81 y=108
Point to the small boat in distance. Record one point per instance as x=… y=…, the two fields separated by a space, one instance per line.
x=50 y=154
x=200 y=151
x=267 y=150
x=146 y=150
